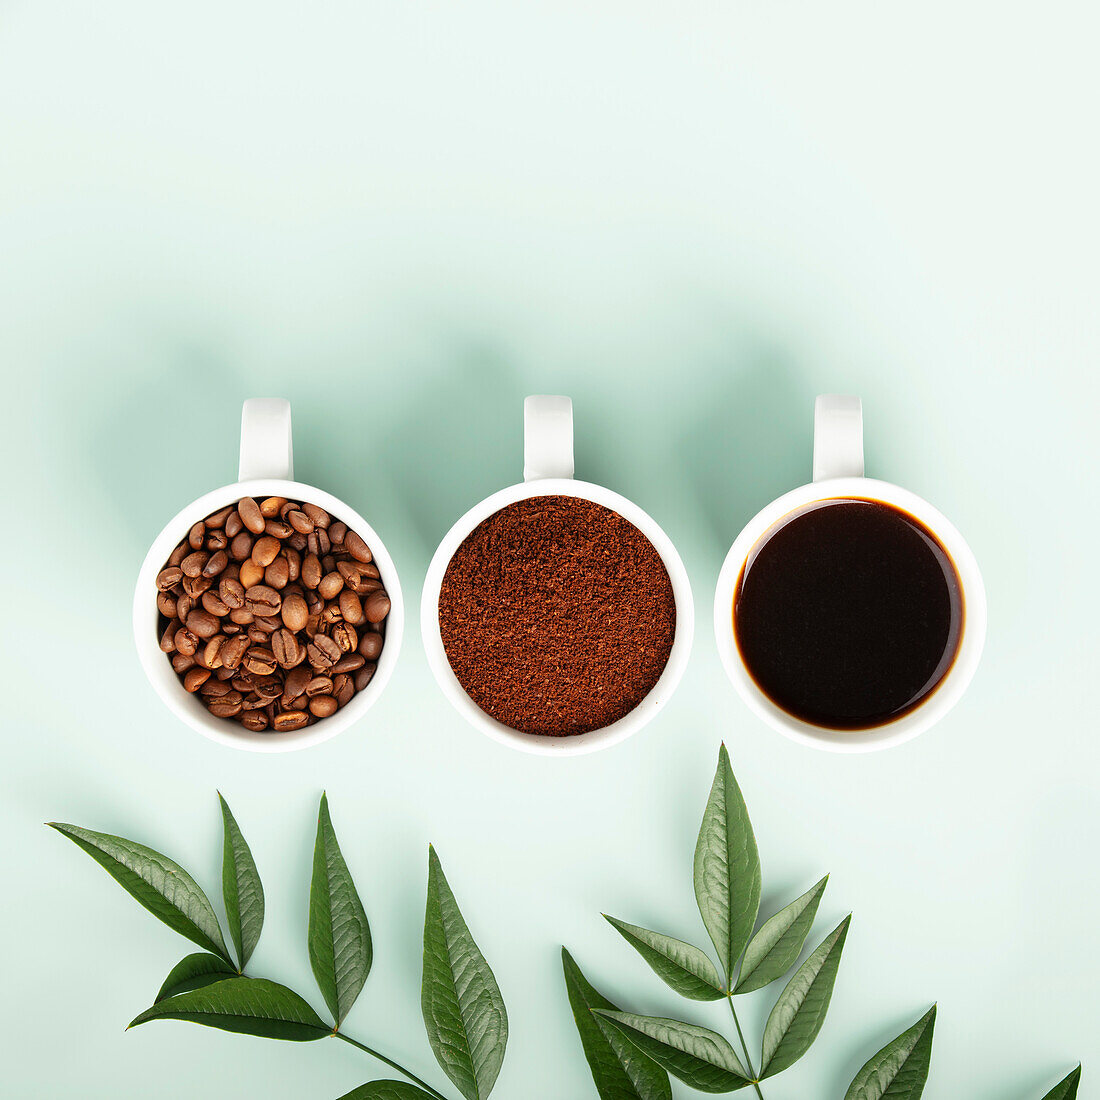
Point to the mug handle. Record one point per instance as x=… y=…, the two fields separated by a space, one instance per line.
x=267 y=449
x=838 y=436
x=547 y=437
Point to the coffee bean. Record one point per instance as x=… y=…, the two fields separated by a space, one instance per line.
x=186 y=642
x=323 y=543
x=260 y=662
x=182 y=664
x=370 y=645
x=330 y=585
x=215 y=564
x=211 y=655
x=285 y=647
x=296 y=681
x=166 y=604
x=241 y=546
x=343 y=687
x=168 y=577
x=351 y=608
x=322 y=706
x=323 y=652
x=348 y=663
x=232 y=593
x=290 y=720
x=275 y=528
x=251 y=516
x=265 y=551
x=234 y=649
x=202 y=624
x=215 y=689
x=377 y=607
x=168 y=638
x=300 y=522
x=356 y=547
x=363 y=676
x=233 y=523
x=212 y=602
x=193 y=564
x=228 y=706
x=277 y=574
x=196 y=535
x=270 y=507
x=331 y=614
x=217 y=520
x=196 y=586
x=254 y=720
x=294 y=612
x=337 y=532
x=195 y=678
x=344 y=635
x=293 y=564
x=251 y=573
x=216 y=540
x=262 y=600
x=319 y=685
x=319 y=516
x=311 y=571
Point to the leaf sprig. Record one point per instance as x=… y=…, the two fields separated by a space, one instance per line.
x=632 y=1056
x=464 y=1014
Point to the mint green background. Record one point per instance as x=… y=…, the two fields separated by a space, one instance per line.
x=689 y=217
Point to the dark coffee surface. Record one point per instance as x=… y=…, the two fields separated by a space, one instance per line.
x=848 y=614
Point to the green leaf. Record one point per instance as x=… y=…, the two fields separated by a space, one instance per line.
x=619 y=1069
x=241 y=888
x=727 y=869
x=252 y=1006
x=778 y=943
x=340 y=949
x=386 y=1090
x=155 y=881
x=699 y=1057
x=194 y=972
x=683 y=967
x=464 y=1012
x=1066 y=1089
x=900 y=1069
x=800 y=1011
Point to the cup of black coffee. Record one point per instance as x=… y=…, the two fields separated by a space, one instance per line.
x=850 y=614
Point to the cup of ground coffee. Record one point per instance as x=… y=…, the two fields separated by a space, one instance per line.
x=850 y=614
x=557 y=616
x=293 y=616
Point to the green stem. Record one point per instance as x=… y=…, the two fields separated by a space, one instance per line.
x=744 y=1047
x=391 y=1063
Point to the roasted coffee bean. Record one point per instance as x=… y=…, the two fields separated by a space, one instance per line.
x=193 y=564
x=215 y=564
x=186 y=642
x=351 y=608
x=377 y=606
x=262 y=600
x=370 y=645
x=226 y=707
x=251 y=516
x=181 y=663
x=196 y=586
x=267 y=687
x=251 y=573
x=183 y=607
x=324 y=546
x=234 y=650
x=363 y=676
x=293 y=564
x=202 y=624
x=270 y=507
x=294 y=612
x=233 y=524
x=216 y=540
x=211 y=655
x=330 y=585
x=215 y=689
x=241 y=616
x=311 y=570
x=196 y=535
x=217 y=520
x=212 y=602
x=337 y=532
x=195 y=678
x=259 y=661
x=285 y=647
x=322 y=706
x=348 y=663
x=265 y=551
x=323 y=652
x=349 y=570
x=356 y=547
x=331 y=614
x=300 y=522
x=277 y=574
x=296 y=681
x=370 y=571
x=343 y=687
x=297 y=541
x=166 y=604
x=168 y=638
x=344 y=635
x=232 y=593
x=275 y=528
x=254 y=720
x=319 y=516
x=290 y=720
x=169 y=576
x=319 y=685
x=241 y=546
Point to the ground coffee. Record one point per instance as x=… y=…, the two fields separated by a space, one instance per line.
x=557 y=615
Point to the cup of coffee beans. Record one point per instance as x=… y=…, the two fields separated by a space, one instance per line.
x=268 y=614
x=557 y=616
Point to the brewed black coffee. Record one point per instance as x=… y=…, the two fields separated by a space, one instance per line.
x=848 y=613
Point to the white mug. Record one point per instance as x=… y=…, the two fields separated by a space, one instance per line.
x=838 y=473
x=548 y=471
x=266 y=470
